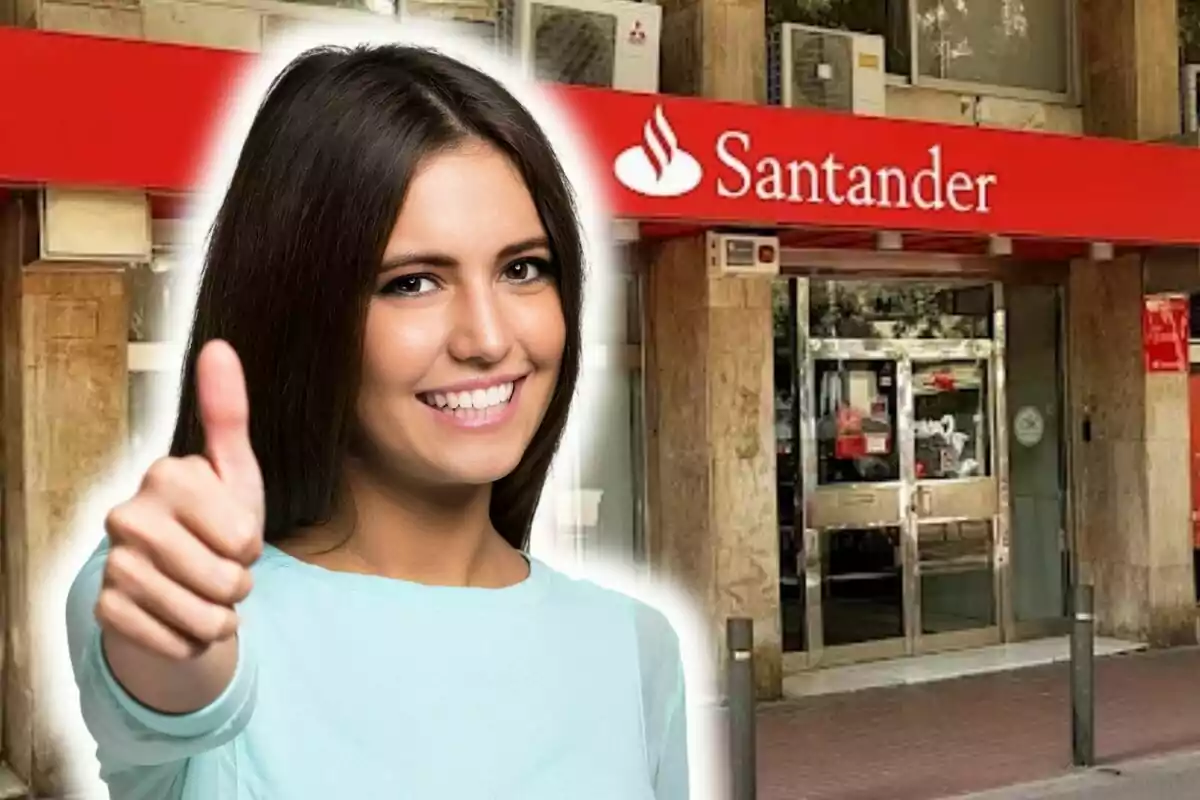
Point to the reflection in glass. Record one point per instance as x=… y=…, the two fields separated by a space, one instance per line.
x=1189 y=31
x=611 y=469
x=787 y=467
x=862 y=586
x=150 y=288
x=1015 y=43
x=855 y=407
x=950 y=422
x=863 y=310
x=957 y=591
x=1036 y=466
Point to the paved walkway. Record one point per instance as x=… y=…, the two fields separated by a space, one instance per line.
x=1174 y=777
x=951 y=738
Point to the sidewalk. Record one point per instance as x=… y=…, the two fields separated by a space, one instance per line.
x=955 y=737
x=1174 y=777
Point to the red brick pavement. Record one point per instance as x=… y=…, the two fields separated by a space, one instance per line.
x=942 y=739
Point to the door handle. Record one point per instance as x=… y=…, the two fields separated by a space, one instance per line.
x=922 y=504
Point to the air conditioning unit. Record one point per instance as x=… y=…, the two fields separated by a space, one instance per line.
x=612 y=44
x=830 y=69
x=1190 y=85
x=742 y=255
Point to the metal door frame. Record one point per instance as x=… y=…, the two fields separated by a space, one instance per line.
x=904 y=353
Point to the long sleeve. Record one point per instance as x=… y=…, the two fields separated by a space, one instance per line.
x=143 y=753
x=664 y=704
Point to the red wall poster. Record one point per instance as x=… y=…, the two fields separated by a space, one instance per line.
x=1165 y=333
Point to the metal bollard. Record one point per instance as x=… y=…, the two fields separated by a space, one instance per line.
x=1083 y=677
x=743 y=761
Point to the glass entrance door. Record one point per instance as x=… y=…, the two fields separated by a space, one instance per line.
x=954 y=510
x=901 y=518
x=855 y=518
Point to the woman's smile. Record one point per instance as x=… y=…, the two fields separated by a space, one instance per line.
x=484 y=403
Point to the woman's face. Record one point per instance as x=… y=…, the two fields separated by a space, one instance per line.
x=465 y=332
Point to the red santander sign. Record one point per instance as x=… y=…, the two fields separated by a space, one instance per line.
x=107 y=112
x=660 y=167
x=724 y=162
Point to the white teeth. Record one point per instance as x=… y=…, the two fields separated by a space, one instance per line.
x=477 y=398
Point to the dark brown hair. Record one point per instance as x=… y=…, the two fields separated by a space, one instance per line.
x=295 y=249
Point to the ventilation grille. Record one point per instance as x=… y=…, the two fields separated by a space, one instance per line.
x=1191 y=104
x=775 y=66
x=822 y=69
x=572 y=46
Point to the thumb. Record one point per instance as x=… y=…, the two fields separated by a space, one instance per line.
x=225 y=414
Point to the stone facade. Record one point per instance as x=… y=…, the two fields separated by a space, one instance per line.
x=1131 y=481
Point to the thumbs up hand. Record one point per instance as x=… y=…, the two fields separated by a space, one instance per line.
x=181 y=548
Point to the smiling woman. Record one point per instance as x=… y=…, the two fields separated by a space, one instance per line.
x=323 y=591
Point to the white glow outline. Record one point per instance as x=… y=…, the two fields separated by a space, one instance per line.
x=56 y=692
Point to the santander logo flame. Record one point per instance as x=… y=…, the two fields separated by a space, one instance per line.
x=658 y=166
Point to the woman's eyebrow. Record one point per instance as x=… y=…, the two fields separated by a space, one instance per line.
x=524 y=246
x=436 y=259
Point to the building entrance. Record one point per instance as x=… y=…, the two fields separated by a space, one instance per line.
x=902 y=501
x=894 y=436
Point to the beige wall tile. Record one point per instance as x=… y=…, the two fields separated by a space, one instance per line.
x=203 y=25
x=125 y=23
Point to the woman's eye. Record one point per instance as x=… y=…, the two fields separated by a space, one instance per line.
x=410 y=285
x=527 y=270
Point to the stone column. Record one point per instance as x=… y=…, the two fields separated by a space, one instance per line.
x=18 y=246
x=67 y=424
x=1131 y=488
x=709 y=367
x=64 y=329
x=1130 y=68
x=709 y=373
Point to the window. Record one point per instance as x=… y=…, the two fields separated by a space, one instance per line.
x=1189 y=31
x=149 y=300
x=1014 y=44
x=1017 y=43
x=153 y=359
x=612 y=471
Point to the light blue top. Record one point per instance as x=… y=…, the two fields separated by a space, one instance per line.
x=362 y=687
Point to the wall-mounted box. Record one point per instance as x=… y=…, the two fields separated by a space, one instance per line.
x=95 y=225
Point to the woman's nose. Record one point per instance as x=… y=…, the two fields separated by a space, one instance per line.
x=481 y=331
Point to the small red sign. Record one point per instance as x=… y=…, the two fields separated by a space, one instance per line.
x=1165 y=333
x=850 y=442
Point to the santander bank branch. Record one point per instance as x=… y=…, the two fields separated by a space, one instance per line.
x=887 y=387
